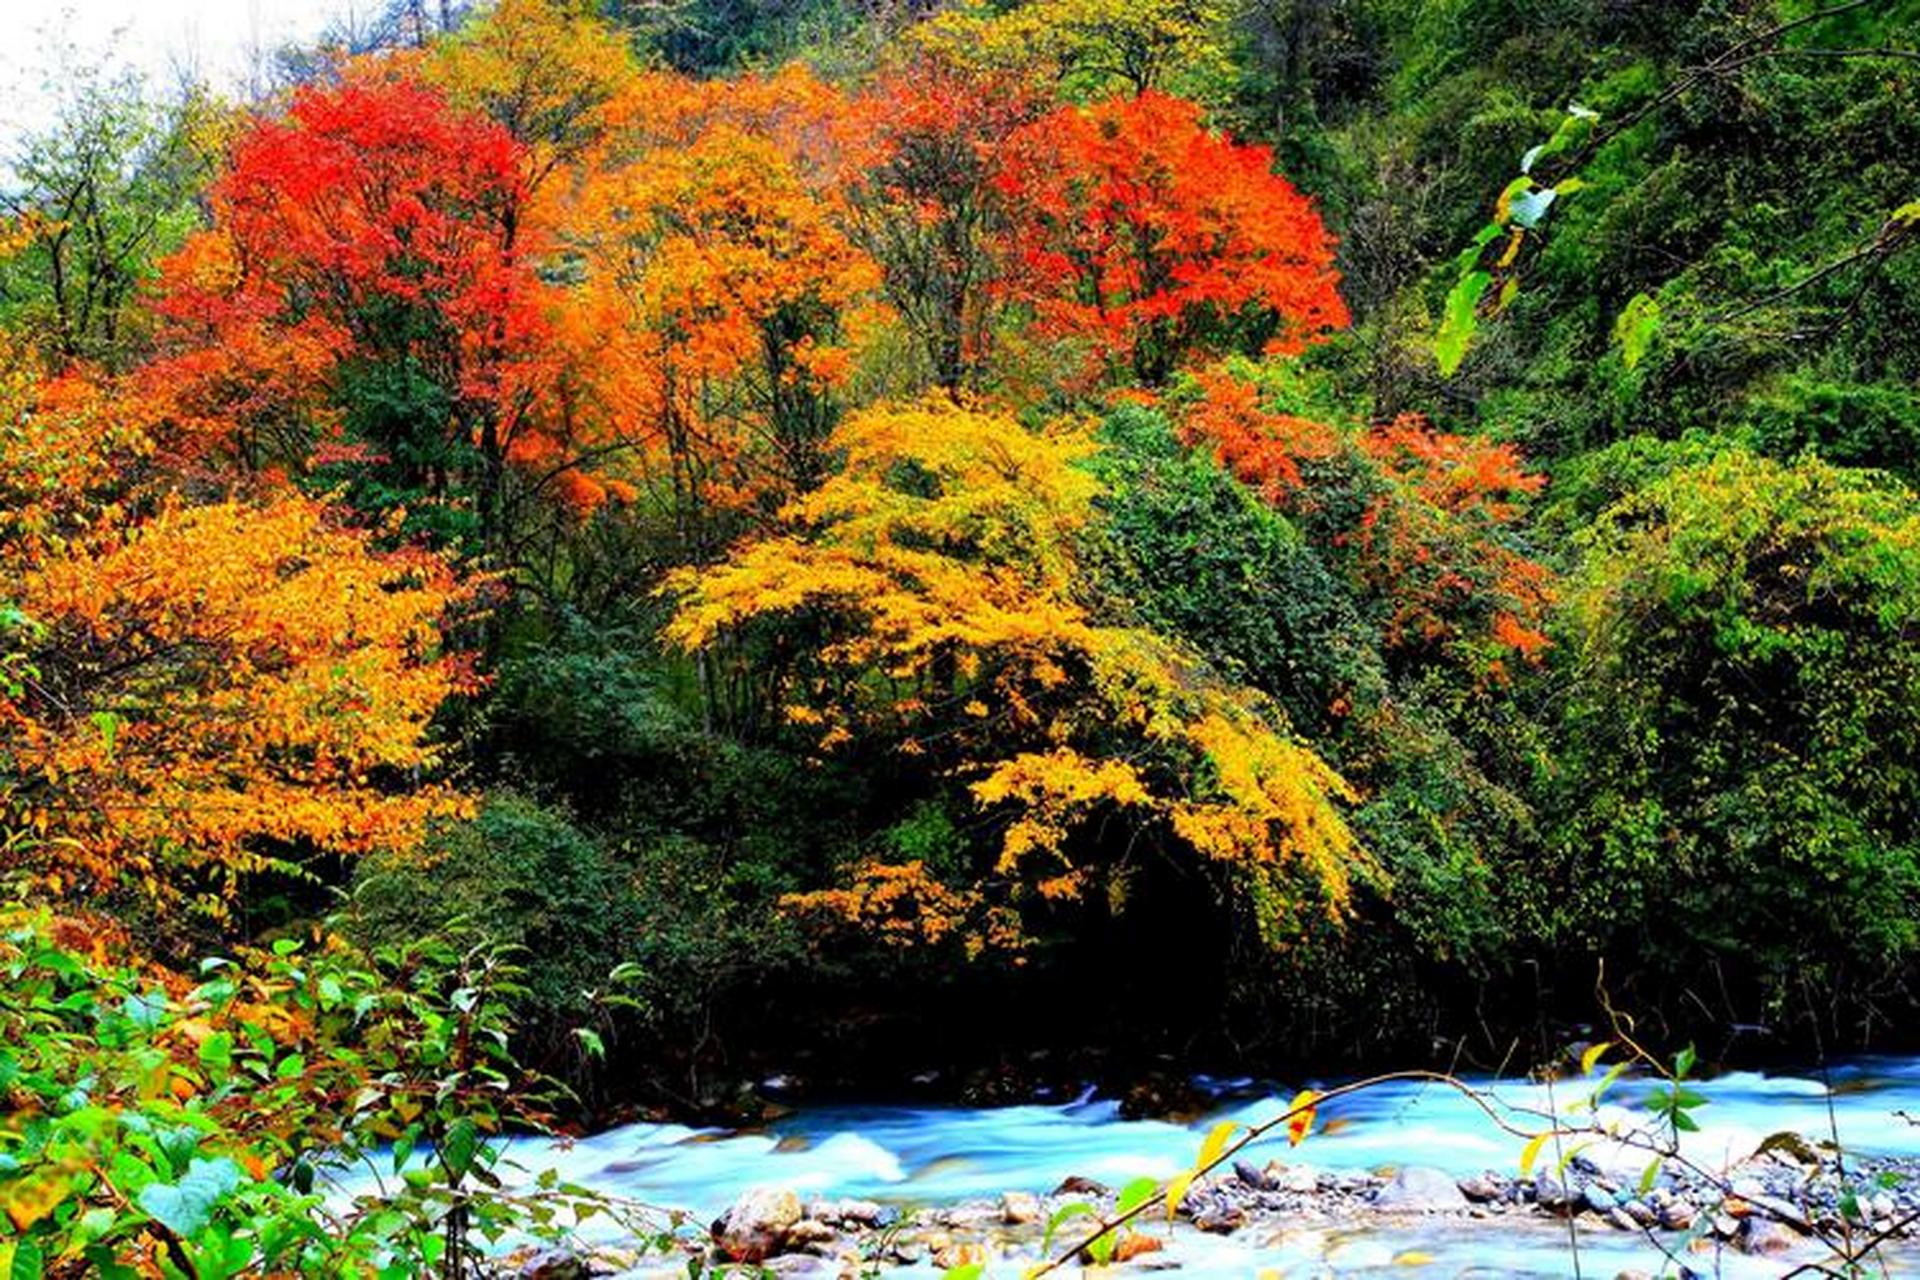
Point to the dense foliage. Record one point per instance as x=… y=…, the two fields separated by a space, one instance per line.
x=795 y=523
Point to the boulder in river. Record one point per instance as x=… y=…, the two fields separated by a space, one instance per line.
x=1418 y=1189
x=756 y=1227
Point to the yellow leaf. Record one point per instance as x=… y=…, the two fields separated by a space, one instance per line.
x=1591 y=1058
x=34 y=1197
x=1176 y=1192
x=1531 y=1152
x=1216 y=1142
x=1304 y=1111
x=1412 y=1258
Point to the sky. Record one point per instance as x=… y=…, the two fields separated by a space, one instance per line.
x=152 y=36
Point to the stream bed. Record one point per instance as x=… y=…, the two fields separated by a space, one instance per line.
x=909 y=1157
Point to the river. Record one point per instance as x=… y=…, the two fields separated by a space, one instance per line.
x=917 y=1155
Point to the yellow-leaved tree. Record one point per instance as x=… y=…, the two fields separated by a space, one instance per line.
x=937 y=586
x=198 y=690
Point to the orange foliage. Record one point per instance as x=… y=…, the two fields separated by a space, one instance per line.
x=1262 y=449
x=1154 y=239
x=1432 y=540
x=721 y=304
x=207 y=687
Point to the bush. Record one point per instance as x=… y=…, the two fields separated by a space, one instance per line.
x=1735 y=773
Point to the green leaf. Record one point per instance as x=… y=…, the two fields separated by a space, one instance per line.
x=1064 y=1214
x=216 y=1051
x=966 y=1271
x=590 y=1042
x=1529 y=208
x=26 y=1262
x=1135 y=1194
x=1459 y=322
x=1634 y=330
x=1683 y=1061
x=108 y=724
x=1649 y=1175
x=184 y=1207
x=463 y=1142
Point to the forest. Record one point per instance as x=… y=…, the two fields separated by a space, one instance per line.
x=559 y=560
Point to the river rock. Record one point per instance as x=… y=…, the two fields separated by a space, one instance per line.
x=1418 y=1189
x=1551 y=1192
x=755 y=1228
x=809 y=1234
x=1598 y=1199
x=1220 y=1218
x=856 y=1213
x=1481 y=1188
x=1781 y=1211
x=1018 y=1208
x=1641 y=1212
x=1300 y=1179
x=1075 y=1185
x=1766 y=1238
x=1254 y=1176
x=1677 y=1214
x=554 y=1264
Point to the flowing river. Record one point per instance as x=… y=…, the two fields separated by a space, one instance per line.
x=920 y=1155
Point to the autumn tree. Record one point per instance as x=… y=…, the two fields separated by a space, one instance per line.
x=924 y=201
x=1426 y=524
x=940 y=576
x=205 y=690
x=1152 y=239
x=722 y=298
x=385 y=221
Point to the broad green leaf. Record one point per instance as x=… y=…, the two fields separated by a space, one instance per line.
x=1065 y=1213
x=1649 y=1175
x=463 y=1141
x=966 y=1271
x=1529 y=208
x=1503 y=207
x=1635 y=328
x=1683 y=1063
x=1459 y=322
x=22 y=1260
x=186 y=1206
x=1135 y=1194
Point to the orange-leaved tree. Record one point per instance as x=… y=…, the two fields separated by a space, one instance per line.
x=1153 y=239
x=1426 y=524
x=924 y=201
x=722 y=300
x=382 y=231
x=202 y=690
x=938 y=581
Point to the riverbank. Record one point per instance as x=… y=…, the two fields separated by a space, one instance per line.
x=1777 y=1210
